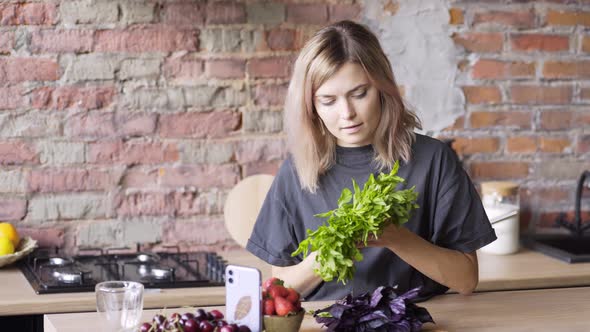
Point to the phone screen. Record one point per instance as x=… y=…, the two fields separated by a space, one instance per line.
x=243 y=296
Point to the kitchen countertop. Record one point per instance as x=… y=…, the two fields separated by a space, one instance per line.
x=524 y=270
x=531 y=310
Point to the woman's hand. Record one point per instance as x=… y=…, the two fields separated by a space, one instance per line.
x=385 y=239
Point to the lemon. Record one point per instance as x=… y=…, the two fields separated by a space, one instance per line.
x=10 y=232
x=6 y=246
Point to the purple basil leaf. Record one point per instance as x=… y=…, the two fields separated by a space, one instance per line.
x=376 y=297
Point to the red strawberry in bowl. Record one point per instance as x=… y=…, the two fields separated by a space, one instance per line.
x=272 y=281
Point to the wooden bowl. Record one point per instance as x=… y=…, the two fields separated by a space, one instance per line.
x=283 y=323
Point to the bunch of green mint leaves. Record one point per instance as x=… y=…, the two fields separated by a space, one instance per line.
x=358 y=215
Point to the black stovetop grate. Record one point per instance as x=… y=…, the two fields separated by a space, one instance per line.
x=49 y=272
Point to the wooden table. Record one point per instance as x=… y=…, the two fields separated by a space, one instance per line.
x=525 y=270
x=563 y=309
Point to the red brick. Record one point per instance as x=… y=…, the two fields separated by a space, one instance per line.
x=553 y=120
x=199 y=124
x=539 y=42
x=456 y=16
x=61 y=41
x=262 y=167
x=270 y=95
x=143 y=39
x=146 y=204
x=583 y=144
x=307 y=13
x=49 y=180
x=480 y=42
x=183 y=69
x=568 y=18
x=28 y=14
x=251 y=151
x=135 y=124
x=225 y=13
x=47 y=237
x=585 y=93
x=499 y=170
x=11 y=98
x=521 y=144
x=90 y=125
x=140 y=178
x=566 y=69
x=522 y=94
x=201 y=176
x=586 y=44
x=520 y=120
x=493 y=69
x=281 y=39
x=554 y=144
x=17 y=153
x=184 y=14
x=482 y=94
x=275 y=67
x=29 y=69
x=517 y=19
x=158 y=203
x=543 y=196
x=132 y=153
x=467 y=146
x=12 y=209
x=73 y=97
x=6 y=42
x=198 y=234
x=339 y=12
x=224 y=69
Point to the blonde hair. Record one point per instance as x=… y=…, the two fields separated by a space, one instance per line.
x=312 y=148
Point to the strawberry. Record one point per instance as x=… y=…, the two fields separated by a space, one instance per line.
x=272 y=281
x=269 y=307
x=292 y=295
x=283 y=307
x=264 y=294
x=277 y=290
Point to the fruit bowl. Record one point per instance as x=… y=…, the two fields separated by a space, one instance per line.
x=25 y=247
x=289 y=323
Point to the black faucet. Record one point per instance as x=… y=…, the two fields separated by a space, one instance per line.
x=576 y=227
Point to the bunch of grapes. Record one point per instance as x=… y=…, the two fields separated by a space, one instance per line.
x=200 y=321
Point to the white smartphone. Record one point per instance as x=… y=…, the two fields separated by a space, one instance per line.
x=243 y=296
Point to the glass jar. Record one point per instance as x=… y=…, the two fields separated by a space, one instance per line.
x=501 y=203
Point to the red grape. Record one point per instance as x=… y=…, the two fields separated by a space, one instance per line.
x=244 y=328
x=187 y=316
x=159 y=319
x=216 y=314
x=145 y=327
x=201 y=315
x=191 y=325
x=206 y=326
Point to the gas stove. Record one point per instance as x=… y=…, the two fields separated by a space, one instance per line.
x=48 y=271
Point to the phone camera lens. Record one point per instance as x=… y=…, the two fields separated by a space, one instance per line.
x=230 y=280
x=230 y=272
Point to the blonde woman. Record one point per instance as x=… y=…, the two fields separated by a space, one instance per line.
x=345 y=119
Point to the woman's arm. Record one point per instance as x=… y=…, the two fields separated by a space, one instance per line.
x=452 y=268
x=301 y=276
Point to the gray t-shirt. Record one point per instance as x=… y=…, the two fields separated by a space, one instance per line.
x=450 y=215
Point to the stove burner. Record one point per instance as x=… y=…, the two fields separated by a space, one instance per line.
x=146 y=257
x=59 y=261
x=67 y=277
x=155 y=272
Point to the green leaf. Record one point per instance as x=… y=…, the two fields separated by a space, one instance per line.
x=372 y=208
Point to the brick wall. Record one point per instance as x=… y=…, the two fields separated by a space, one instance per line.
x=525 y=73
x=129 y=121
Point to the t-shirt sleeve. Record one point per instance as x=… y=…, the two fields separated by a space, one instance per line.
x=273 y=238
x=460 y=221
